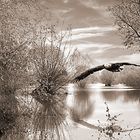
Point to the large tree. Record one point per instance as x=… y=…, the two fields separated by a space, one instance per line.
x=18 y=22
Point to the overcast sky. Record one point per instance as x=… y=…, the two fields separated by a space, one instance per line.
x=93 y=29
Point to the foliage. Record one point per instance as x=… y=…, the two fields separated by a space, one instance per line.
x=107 y=78
x=49 y=60
x=130 y=77
x=111 y=124
x=17 y=24
x=51 y=72
x=20 y=19
x=127 y=17
x=80 y=63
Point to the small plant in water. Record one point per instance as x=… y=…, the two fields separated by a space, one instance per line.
x=111 y=127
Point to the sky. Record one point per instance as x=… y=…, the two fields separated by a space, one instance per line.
x=93 y=30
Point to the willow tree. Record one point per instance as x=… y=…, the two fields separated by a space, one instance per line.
x=127 y=16
x=51 y=72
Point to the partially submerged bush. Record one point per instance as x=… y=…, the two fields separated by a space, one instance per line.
x=51 y=72
x=50 y=61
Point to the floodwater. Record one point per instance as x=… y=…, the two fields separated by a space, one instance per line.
x=88 y=105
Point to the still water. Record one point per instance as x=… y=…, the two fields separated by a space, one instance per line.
x=88 y=105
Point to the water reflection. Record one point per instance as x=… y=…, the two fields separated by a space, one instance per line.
x=124 y=101
x=133 y=96
x=82 y=106
x=8 y=113
x=12 y=121
x=127 y=95
x=49 y=118
x=111 y=95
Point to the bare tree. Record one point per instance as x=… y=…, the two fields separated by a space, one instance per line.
x=127 y=17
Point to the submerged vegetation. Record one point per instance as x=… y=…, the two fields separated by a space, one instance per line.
x=51 y=72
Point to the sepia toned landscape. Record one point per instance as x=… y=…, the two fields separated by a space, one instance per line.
x=69 y=70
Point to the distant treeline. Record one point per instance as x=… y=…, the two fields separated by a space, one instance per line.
x=130 y=76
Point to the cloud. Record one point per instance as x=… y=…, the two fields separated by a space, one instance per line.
x=79 y=13
x=95 y=41
x=95 y=28
x=89 y=35
x=105 y=2
x=81 y=34
x=85 y=35
x=92 y=29
x=92 y=48
x=120 y=56
x=133 y=58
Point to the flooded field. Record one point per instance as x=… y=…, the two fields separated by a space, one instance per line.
x=89 y=105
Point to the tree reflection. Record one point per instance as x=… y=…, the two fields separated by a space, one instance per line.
x=128 y=95
x=8 y=113
x=49 y=118
x=82 y=106
x=110 y=95
x=13 y=124
x=132 y=96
